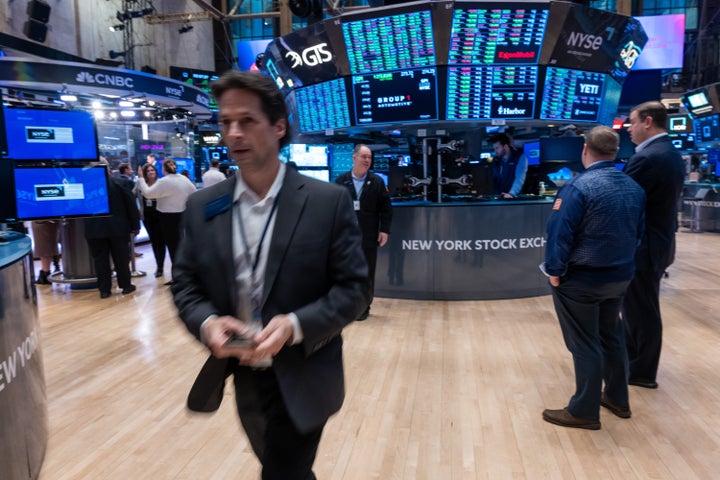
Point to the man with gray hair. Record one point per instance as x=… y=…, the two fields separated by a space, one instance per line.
x=596 y=224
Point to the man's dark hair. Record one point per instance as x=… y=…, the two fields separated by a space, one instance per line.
x=499 y=137
x=271 y=99
x=124 y=169
x=655 y=110
x=215 y=162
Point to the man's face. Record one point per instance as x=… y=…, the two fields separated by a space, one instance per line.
x=362 y=160
x=500 y=149
x=150 y=159
x=637 y=129
x=252 y=140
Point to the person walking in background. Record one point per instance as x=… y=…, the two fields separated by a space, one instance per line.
x=371 y=202
x=151 y=219
x=509 y=167
x=171 y=193
x=110 y=237
x=213 y=175
x=274 y=258
x=595 y=226
x=660 y=170
x=45 y=247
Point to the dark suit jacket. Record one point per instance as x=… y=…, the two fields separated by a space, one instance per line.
x=315 y=268
x=124 y=216
x=375 y=214
x=660 y=171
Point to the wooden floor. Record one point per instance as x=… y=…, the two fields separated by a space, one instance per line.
x=435 y=390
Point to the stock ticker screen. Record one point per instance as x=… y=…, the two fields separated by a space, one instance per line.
x=572 y=95
x=400 y=96
x=484 y=93
x=485 y=34
x=394 y=42
x=323 y=106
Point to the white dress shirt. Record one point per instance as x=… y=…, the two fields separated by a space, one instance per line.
x=212 y=176
x=171 y=192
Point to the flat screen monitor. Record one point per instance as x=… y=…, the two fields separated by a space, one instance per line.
x=561 y=149
x=45 y=134
x=713 y=158
x=3 y=138
x=307 y=155
x=497 y=33
x=248 y=51
x=532 y=152
x=666 y=42
x=185 y=164
x=680 y=124
x=323 y=175
x=197 y=78
x=400 y=96
x=698 y=103
x=60 y=191
x=307 y=56
x=484 y=93
x=578 y=96
x=341 y=158
x=707 y=129
x=683 y=141
x=323 y=106
x=393 y=38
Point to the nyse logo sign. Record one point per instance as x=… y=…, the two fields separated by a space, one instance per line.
x=105 y=79
x=310 y=57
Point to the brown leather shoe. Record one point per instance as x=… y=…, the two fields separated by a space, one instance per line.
x=622 y=412
x=567 y=419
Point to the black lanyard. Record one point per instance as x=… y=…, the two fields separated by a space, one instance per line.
x=254 y=263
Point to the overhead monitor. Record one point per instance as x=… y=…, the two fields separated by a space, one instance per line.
x=248 y=51
x=584 y=38
x=307 y=155
x=46 y=134
x=392 y=38
x=197 y=78
x=185 y=164
x=484 y=93
x=698 y=102
x=680 y=124
x=665 y=47
x=304 y=57
x=67 y=191
x=561 y=149
x=488 y=33
x=396 y=97
x=323 y=106
x=578 y=96
x=532 y=152
x=707 y=129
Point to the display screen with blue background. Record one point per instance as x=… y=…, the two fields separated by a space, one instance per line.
x=61 y=191
x=38 y=134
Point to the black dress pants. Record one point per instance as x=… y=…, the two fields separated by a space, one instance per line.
x=589 y=315
x=151 y=220
x=101 y=249
x=643 y=324
x=285 y=452
x=171 y=226
x=371 y=258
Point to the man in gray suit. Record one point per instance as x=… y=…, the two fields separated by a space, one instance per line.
x=269 y=272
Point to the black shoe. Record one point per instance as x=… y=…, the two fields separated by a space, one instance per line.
x=567 y=419
x=622 y=412
x=158 y=273
x=364 y=315
x=105 y=294
x=643 y=382
x=129 y=289
x=43 y=278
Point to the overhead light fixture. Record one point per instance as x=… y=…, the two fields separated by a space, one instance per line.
x=96 y=104
x=125 y=104
x=127 y=113
x=66 y=97
x=185 y=28
x=117 y=28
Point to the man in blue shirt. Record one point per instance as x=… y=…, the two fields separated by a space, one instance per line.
x=509 y=167
x=596 y=224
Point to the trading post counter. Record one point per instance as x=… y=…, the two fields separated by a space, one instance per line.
x=23 y=402
x=465 y=251
x=701 y=207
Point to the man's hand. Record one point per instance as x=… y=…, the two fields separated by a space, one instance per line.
x=382 y=239
x=507 y=195
x=217 y=331
x=554 y=280
x=140 y=172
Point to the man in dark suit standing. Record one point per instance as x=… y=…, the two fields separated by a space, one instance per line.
x=110 y=236
x=660 y=170
x=371 y=202
x=269 y=272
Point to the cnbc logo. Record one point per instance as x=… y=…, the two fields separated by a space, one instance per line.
x=514 y=111
x=105 y=79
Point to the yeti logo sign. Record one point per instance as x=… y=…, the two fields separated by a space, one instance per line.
x=310 y=57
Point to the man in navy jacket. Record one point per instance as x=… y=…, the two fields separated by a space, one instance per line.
x=596 y=223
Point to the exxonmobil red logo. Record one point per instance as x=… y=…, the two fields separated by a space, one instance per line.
x=516 y=55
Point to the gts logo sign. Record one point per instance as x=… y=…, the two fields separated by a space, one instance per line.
x=311 y=56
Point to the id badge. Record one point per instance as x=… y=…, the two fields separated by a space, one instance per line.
x=356 y=205
x=148 y=202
